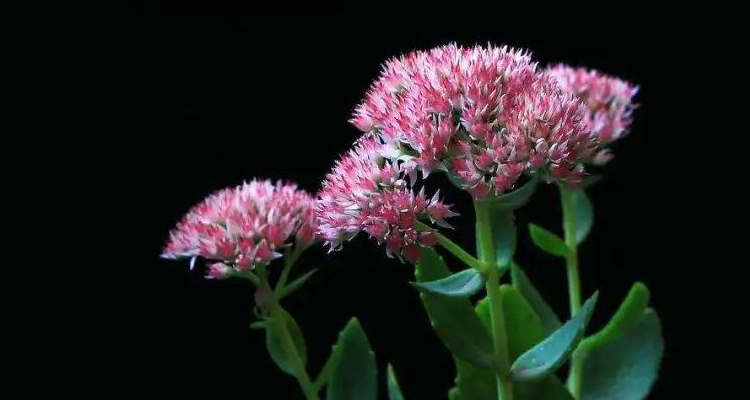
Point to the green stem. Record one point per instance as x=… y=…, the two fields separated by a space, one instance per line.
x=455 y=249
x=574 y=281
x=569 y=226
x=500 y=340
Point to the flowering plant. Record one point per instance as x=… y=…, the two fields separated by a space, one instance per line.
x=498 y=126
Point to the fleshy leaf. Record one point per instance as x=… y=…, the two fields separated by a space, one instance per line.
x=517 y=198
x=524 y=331
x=394 y=391
x=549 y=354
x=474 y=382
x=503 y=230
x=275 y=344
x=548 y=241
x=522 y=325
x=627 y=367
x=547 y=388
x=453 y=394
x=460 y=284
x=354 y=377
x=259 y=325
x=454 y=319
x=521 y=282
x=627 y=316
x=327 y=370
x=297 y=283
x=584 y=212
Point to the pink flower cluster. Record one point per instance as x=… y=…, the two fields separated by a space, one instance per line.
x=485 y=114
x=245 y=226
x=609 y=102
x=371 y=190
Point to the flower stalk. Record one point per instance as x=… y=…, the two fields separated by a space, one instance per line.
x=454 y=249
x=574 y=281
x=499 y=336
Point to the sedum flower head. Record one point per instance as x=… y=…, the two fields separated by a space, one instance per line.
x=485 y=114
x=245 y=226
x=609 y=101
x=371 y=190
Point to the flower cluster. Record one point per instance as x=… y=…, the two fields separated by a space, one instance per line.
x=609 y=102
x=370 y=189
x=486 y=115
x=239 y=228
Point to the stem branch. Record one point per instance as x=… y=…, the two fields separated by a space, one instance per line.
x=455 y=249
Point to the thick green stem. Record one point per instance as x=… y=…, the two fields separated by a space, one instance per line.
x=574 y=281
x=455 y=249
x=499 y=337
x=569 y=226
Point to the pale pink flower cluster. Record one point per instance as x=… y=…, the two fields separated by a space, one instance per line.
x=371 y=190
x=609 y=102
x=242 y=227
x=485 y=114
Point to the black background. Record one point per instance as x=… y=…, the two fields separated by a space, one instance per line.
x=187 y=102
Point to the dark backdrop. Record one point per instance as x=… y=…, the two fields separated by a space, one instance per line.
x=187 y=102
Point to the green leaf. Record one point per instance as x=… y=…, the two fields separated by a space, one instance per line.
x=548 y=241
x=549 y=354
x=453 y=394
x=259 y=325
x=394 y=391
x=521 y=282
x=275 y=332
x=584 y=212
x=473 y=382
x=590 y=181
x=327 y=370
x=547 y=388
x=627 y=316
x=524 y=331
x=297 y=283
x=503 y=230
x=627 y=367
x=354 y=378
x=460 y=284
x=454 y=319
x=515 y=199
x=522 y=325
